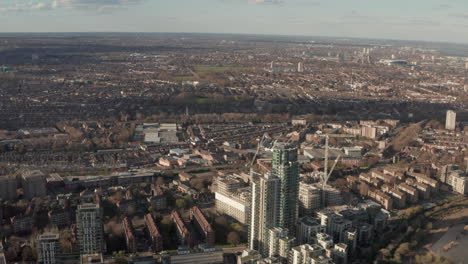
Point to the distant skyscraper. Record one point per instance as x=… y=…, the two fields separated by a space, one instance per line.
x=300 y=67
x=450 y=120
x=48 y=249
x=274 y=200
x=90 y=228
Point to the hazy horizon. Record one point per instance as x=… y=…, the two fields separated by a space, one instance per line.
x=418 y=20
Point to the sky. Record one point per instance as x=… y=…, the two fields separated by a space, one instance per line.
x=429 y=20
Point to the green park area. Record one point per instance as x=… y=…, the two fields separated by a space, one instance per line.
x=207 y=68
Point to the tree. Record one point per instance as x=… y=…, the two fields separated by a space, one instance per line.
x=65 y=241
x=403 y=249
x=41 y=219
x=199 y=186
x=181 y=203
x=159 y=181
x=188 y=198
x=237 y=227
x=221 y=220
x=233 y=238
x=410 y=213
x=27 y=254
x=385 y=253
x=110 y=210
x=430 y=258
x=166 y=225
x=429 y=226
x=188 y=201
x=116 y=242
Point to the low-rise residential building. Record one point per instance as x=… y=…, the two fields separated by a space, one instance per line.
x=155 y=235
x=411 y=193
x=22 y=224
x=158 y=200
x=340 y=253
x=399 y=198
x=60 y=217
x=422 y=178
x=385 y=200
x=130 y=238
x=127 y=207
x=304 y=254
x=458 y=180
x=309 y=198
x=205 y=228
x=183 y=233
x=307 y=228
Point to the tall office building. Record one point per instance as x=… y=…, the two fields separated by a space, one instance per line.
x=48 y=248
x=274 y=200
x=450 y=120
x=89 y=223
x=286 y=167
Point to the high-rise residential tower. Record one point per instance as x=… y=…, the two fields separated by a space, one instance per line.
x=286 y=167
x=450 y=120
x=89 y=221
x=264 y=210
x=274 y=200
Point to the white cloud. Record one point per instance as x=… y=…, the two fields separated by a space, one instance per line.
x=265 y=2
x=93 y=4
x=21 y=7
x=98 y=5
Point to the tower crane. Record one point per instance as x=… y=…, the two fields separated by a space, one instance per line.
x=258 y=150
x=326 y=175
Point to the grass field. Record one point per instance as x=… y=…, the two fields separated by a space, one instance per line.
x=184 y=78
x=206 y=68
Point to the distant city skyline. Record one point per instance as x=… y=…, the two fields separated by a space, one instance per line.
x=427 y=20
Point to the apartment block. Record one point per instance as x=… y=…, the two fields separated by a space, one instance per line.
x=197 y=217
x=183 y=233
x=130 y=238
x=90 y=229
x=48 y=249
x=155 y=235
